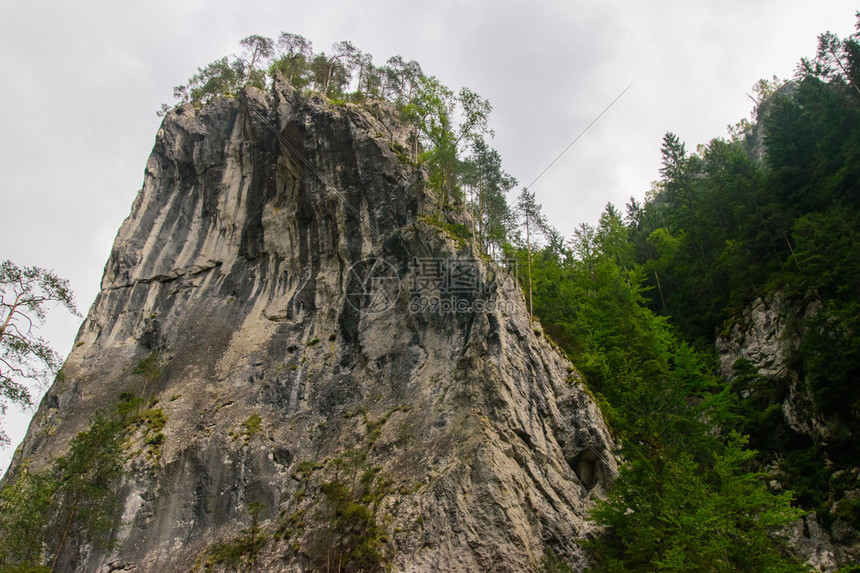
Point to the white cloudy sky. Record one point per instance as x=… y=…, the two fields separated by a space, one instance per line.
x=82 y=81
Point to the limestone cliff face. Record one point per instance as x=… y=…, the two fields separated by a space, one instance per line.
x=317 y=338
x=768 y=334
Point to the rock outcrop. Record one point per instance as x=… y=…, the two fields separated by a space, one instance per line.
x=316 y=343
x=768 y=336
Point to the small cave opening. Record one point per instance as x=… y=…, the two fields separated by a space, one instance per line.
x=586 y=466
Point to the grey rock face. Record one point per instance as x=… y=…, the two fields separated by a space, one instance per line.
x=280 y=264
x=822 y=550
x=767 y=334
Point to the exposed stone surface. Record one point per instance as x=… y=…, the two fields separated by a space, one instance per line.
x=767 y=334
x=236 y=267
x=808 y=538
x=763 y=336
x=753 y=141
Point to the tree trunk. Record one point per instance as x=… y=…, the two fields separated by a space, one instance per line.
x=251 y=65
x=11 y=314
x=529 y=253
x=787 y=242
x=474 y=229
x=444 y=196
x=847 y=75
x=329 y=75
x=360 y=75
x=63 y=537
x=660 y=290
x=481 y=211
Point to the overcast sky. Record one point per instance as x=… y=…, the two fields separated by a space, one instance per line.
x=83 y=81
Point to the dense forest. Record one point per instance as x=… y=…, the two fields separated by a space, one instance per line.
x=712 y=472
x=638 y=300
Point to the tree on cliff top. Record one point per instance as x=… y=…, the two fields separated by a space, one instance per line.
x=259 y=50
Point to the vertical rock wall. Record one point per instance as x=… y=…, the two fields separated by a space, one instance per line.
x=280 y=267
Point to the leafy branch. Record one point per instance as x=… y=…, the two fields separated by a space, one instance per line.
x=25 y=296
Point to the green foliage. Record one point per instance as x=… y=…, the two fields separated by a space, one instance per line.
x=128 y=407
x=25 y=568
x=239 y=553
x=304 y=468
x=154 y=419
x=809 y=476
x=827 y=258
x=219 y=78
x=253 y=426
x=849 y=510
x=461 y=233
x=295 y=51
x=227 y=75
x=676 y=515
x=534 y=223
x=26 y=293
x=258 y=51
x=633 y=299
x=721 y=229
x=400 y=79
x=446 y=123
x=747 y=226
x=347 y=533
x=149 y=367
x=354 y=539
x=24 y=504
x=687 y=497
x=488 y=184
x=725 y=228
x=73 y=502
x=151 y=422
x=292 y=57
x=86 y=495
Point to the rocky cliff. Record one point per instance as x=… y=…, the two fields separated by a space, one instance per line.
x=335 y=373
x=768 y=336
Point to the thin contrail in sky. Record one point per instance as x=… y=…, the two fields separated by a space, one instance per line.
x=581 y=134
